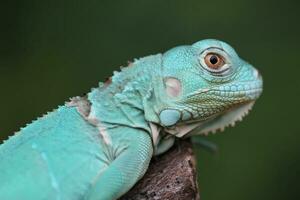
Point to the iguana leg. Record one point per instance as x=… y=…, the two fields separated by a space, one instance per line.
x=164 y=145
x=129 y=166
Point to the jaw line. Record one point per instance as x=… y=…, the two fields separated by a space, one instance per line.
x=212 y=125
x=229 y=118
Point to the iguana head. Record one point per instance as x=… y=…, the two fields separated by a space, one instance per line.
x=207 y=86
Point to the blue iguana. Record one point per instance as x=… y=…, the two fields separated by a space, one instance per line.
x=96 y=147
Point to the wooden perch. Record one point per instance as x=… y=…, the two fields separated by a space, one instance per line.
x=170 y=176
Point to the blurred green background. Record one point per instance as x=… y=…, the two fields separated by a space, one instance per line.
x=53 y=50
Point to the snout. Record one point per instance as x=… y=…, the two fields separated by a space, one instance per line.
x=248 y=84
x=254 y=85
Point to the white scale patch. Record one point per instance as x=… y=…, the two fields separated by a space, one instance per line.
x=102 y=130
x=84 y=109
x=173 y=87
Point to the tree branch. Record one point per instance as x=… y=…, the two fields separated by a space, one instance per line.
x=170 y=176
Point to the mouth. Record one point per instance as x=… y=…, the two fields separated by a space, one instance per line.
x=242 y=99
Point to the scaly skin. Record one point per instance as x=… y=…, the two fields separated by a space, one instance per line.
x=97 y=147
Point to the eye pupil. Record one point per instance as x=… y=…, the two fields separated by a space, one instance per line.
x=214 y=59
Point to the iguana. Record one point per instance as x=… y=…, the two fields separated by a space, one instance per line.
x=96 y=147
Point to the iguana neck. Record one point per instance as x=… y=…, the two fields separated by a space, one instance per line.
x=125 y=98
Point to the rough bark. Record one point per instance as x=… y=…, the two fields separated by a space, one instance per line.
x=170 y=176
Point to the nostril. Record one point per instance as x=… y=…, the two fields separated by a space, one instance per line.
x=256 y=74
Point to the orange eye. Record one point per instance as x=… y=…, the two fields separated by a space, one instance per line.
x=214 y=61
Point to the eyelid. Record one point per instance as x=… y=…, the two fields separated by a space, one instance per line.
x=218 y=51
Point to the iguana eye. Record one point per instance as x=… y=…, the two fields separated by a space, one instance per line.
x=214 y=61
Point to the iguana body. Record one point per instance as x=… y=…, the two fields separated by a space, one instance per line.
x=97 y=147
